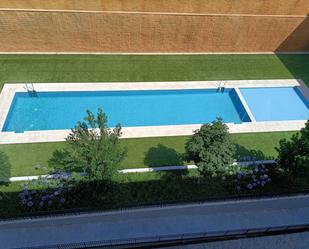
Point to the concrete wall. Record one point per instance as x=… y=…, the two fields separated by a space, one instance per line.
x=110 y=32
x=270 y=7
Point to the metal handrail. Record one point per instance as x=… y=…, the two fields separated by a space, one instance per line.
x=211 y=236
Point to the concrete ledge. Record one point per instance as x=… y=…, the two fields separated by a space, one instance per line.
x=142 y=223
x=144 y=170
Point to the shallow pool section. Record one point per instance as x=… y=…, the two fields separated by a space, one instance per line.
x=276 y=103
x=61 y=110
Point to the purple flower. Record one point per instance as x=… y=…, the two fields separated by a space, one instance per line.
x=249 y=186
x=30 y=204
x=41 y=203
x=50 y=202
x=62 y=200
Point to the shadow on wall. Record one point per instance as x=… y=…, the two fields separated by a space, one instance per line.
x=297 y=64
x=298 y=40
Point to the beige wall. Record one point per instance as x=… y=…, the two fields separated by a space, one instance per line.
x=271 y=7
x=107 y=32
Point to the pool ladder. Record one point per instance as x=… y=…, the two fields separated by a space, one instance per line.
x=30 y=89
x=221 y=86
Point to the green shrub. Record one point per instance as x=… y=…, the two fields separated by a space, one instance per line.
x=293 y=155
x=211 y=148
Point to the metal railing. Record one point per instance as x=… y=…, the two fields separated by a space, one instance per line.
x=187 y=238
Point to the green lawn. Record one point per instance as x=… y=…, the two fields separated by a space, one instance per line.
x=31 y=159
x=108 y=68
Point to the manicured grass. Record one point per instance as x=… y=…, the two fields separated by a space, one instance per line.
x=25 y=158
x=98 y=68
x=31 y=159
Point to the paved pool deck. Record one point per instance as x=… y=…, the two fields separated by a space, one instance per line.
x=150 y=223
x=9 y=91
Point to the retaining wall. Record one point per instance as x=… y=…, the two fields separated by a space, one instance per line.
x=129 y=32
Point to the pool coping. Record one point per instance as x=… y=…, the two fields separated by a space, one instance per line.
x=8 y=92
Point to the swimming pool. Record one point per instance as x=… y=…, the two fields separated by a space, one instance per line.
x=61 y=110
x=152 y=109
x=276 y=103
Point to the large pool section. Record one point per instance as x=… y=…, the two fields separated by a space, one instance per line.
x=62 y=110
x=137 y=108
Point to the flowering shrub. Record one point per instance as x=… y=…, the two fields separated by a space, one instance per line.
x=46 y=193
x=252 y=177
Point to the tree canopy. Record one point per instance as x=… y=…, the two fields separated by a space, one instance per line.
x=92 y=148
x=211 y=148
x=293 y=155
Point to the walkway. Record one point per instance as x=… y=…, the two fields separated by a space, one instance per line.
x=152 y=222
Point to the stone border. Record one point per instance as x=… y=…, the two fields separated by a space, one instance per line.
x=148 y=12
x=9 y=90
x=148 y=53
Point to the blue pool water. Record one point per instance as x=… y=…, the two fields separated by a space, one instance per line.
x=276 y=103
x=61 y=110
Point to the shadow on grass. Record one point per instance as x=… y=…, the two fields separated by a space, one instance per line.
x=129 y=193
x=242 y=154
x=99 y=196
x=162 y=156
x=5 y=169
x=297 y=41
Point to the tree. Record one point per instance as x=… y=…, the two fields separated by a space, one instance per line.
x=92 y=148
x=293 y=155
x=211 y=148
